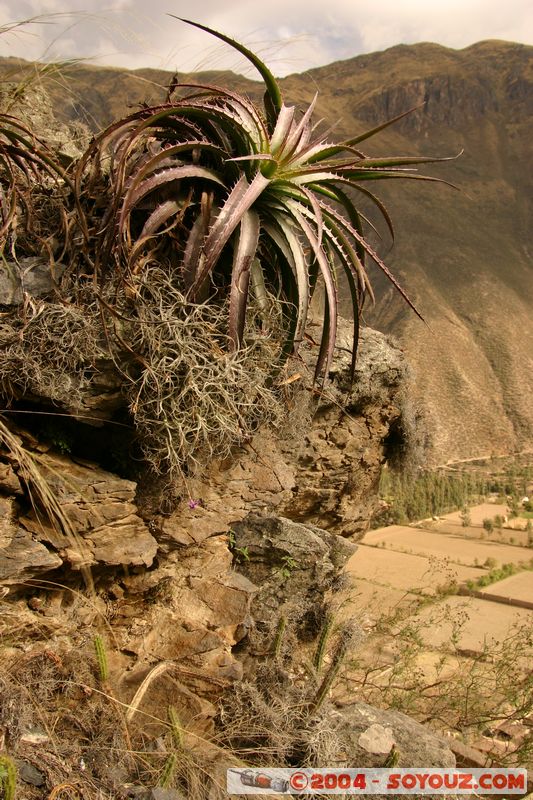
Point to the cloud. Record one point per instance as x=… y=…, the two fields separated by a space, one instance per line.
x=291 y=36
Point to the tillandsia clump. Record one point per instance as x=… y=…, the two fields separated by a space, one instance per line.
x=241 y=202
x=196 y=232
x=30 y=175
x=16 y=162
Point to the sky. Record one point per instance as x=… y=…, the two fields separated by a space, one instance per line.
x=290 y=35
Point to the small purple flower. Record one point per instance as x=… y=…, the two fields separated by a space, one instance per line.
x=193 y=503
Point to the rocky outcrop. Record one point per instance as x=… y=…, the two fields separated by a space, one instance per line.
x=185 y=604
x=179 y=644
x=369 y=735
x=245 y=551
x=322 y=468
x=22 y=556
x=448 y=100
x=338 y=465
x=179 y=607
x=260 y=539
x=295 y=568
x=103 y=524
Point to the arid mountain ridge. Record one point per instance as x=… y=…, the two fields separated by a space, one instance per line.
x=465 y=257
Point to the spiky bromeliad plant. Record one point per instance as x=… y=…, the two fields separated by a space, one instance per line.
x=25 y=164
x=28 y=168
x=241 y=202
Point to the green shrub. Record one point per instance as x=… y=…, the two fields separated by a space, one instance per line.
x=488 y=525
x=466 y=519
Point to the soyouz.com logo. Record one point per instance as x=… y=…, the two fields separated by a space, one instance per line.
x=404 y=780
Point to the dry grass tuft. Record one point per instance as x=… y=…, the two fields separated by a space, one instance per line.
x=275 y=718
x=53 y=720
x=56 y=716
x=35 y=474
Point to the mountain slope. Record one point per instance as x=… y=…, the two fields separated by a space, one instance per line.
x=466 y=256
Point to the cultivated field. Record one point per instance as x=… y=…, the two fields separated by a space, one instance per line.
x=446 y=545
x=416 y=573
x=516 y=587
x=478 y=513
x=507 y=535
x=469 y=624
x=448 y=614
x=449 y=630
x=402 y=561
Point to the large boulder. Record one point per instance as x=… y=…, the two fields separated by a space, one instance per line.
x=295 y=567
x=367 y=735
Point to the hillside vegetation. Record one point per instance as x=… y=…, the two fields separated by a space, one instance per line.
x=209 y=633
x=465 y=256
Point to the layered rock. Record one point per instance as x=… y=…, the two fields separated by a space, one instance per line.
x=22 y=557
x=322 y=469
x=104 y=526
x=295 y=567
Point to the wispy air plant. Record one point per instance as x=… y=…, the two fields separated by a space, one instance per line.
x=241 y=201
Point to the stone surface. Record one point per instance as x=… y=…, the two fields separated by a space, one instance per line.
x=125 y=541
x=295 y=567
x=101 y=510
x=23 y=558
x=365 y=733
x=20 y=556
x=35 y=109
x=28 y=773
x=29 y=275
x=9 y=482
x=199 y=610
x=468 y=756
x=377 y=740
x=340 y=459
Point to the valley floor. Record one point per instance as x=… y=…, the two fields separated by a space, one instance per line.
x=448 y=612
